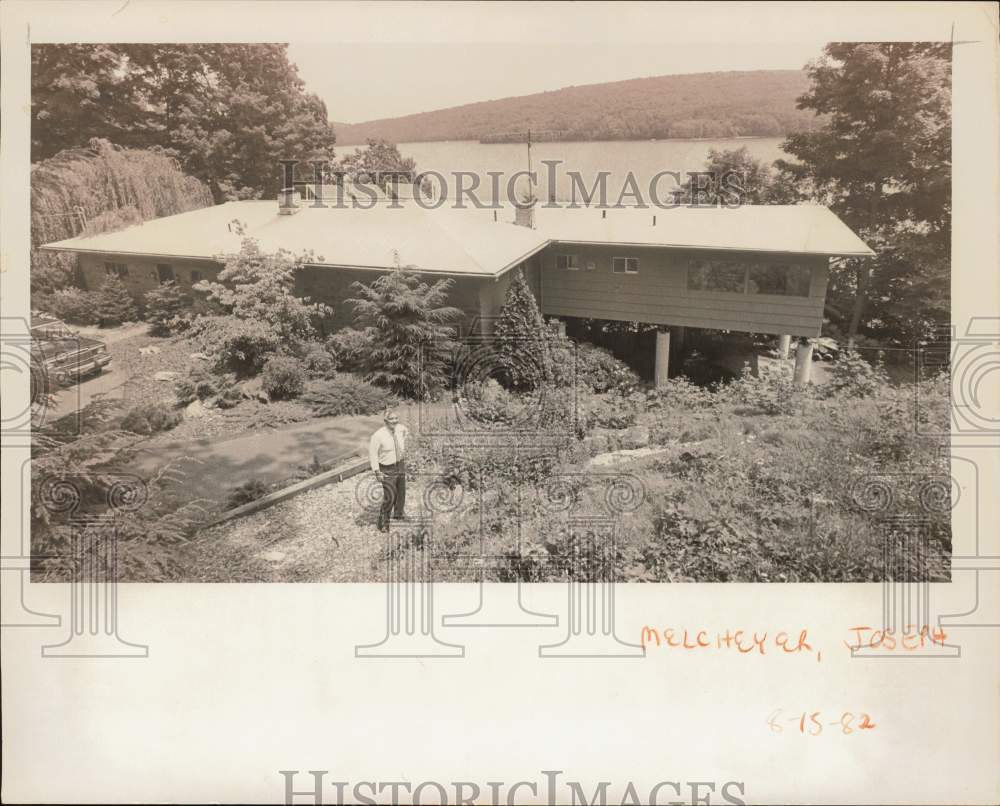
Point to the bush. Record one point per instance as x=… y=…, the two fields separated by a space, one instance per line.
x=345 y=394
x=165 y=309
x=150 y=418
x=204 y=386
x=613 y=411
x=247 y=492
x=601 y=372
x=241 y=346
x=488 y=402
x=350 y=348
x=115 y=304
x=318 y=361
x=283 y=377
x=852 y=376
x=74 y=305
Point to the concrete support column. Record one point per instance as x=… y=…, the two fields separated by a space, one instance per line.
x=803 y=362
x=561 y=326
x=784 y=345
x=662 y=364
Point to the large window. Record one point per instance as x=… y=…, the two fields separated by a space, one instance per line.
x=739 y=277
x=625 y=265
x=116 y=269
x=717 y=275
x=784 y=280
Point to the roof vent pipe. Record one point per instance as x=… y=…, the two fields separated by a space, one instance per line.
x=604 y=213
x=654 y=220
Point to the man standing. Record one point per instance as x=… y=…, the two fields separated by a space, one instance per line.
x=387 y=453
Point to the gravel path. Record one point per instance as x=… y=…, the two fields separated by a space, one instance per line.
x=324 y=535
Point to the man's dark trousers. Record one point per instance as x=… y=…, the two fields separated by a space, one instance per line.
x=393 y=493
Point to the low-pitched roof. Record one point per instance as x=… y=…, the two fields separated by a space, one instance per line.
x=468 y=241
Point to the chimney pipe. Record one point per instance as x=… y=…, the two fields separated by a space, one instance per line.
x=524 y=215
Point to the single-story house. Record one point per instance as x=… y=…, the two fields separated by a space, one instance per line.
x=759 y=269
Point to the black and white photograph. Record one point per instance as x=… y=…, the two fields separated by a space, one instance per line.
x=729 y=288
x=500 y=403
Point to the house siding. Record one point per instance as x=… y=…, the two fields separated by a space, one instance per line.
x=658 y=294
x=142 y=275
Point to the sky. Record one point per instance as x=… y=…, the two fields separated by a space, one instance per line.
x=366 y=81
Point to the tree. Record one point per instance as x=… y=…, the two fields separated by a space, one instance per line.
x=379 y=163
x=94 y=189
x=882 y=162
x=228 y=112
x=260 y=313
x=114 y=303
x=164 y=304
x=520 y=339
x=734 y=177
x=412 y=332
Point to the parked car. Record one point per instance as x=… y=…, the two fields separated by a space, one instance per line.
x=63 y=353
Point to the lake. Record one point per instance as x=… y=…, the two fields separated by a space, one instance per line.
x=644 y=158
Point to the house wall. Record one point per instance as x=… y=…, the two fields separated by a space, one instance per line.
x=659 y=293
x=142 y=275
x=333 y=287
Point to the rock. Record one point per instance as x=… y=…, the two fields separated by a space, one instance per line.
x=165 y=376
x=273 y=556
x=198 y=356
x=195 y=409
x=253 y=389
x=636 y=437
x=151 y=350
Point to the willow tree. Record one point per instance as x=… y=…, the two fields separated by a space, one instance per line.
x=97 y=189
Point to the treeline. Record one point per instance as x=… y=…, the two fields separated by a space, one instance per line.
x=99 y=188
x=760 y=103
x=227 y=112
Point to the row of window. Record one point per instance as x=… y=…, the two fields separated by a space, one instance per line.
x=733 y=276
x=164 y=272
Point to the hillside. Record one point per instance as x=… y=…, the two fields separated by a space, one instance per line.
x=726 y=104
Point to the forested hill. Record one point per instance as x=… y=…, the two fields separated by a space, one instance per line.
x=726 y=104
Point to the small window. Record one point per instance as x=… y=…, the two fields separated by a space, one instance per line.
x=780 y=279
x=625 y=265
x=717 y=275
x=116 y=269
x=195 y=276
x=567 y=263
x=164 y=273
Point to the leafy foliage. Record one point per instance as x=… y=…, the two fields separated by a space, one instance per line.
x=852 y=376
x=882 y=162
x=98 y=187
x=283 y=377
x=115 y=304
x=218 y=389
x=412 y=334
x=734 y=177
x=151 y=418
x=345 y=394
x=73 y=305
x=260 y=312
x=520 y=338
x=165 y=308
x=351 y=347
x=227 y=112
